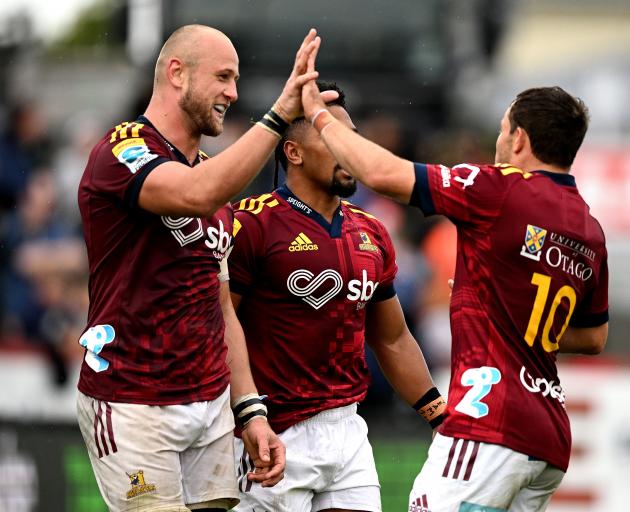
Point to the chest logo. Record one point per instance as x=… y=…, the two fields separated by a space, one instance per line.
x=534 y=241
x=318 y=290
x=302 y=243
x=366 y=244
x=303 y=283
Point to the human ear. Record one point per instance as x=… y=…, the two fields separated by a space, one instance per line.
x=293 y=152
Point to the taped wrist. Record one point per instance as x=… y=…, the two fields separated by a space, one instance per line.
x=247 y=407
x=431 y=407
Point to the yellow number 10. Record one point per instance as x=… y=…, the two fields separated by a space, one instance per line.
x=543 y=282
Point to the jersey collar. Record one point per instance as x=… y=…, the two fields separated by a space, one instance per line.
x=560 y=178
x=178 y=154
x=332 y=228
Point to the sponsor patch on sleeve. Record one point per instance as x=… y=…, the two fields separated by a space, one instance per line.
x=134 y=153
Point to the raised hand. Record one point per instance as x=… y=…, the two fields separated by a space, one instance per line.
x=289 y=104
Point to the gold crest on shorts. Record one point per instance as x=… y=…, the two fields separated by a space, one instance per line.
x=138 y=485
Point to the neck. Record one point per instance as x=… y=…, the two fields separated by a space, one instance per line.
x=320 y=201
x=174 y=126
x=534 y=164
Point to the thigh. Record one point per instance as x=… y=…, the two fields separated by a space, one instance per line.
x=535 y=497
x=461 y=475
x=355 y=484
x=208 y=470
x=135 y=467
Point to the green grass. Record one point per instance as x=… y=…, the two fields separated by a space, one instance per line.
x=398 y=463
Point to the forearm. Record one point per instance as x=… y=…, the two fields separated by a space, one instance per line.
x=404 y=367
x=371 y=164
x=584 y=340
x=241 y=381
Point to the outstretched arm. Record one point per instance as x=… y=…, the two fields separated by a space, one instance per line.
x=401 y=359
x=371 y=164
x=263 y=445
x=176 y=189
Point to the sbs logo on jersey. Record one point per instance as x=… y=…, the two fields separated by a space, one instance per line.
x=302 y=243
x=318 y=290
x=219 y=240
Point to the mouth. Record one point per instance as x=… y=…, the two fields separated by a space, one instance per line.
x=220 y=109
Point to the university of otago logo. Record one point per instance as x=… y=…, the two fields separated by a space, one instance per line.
x=534 y=241
x=366 y=244
x=138 y=485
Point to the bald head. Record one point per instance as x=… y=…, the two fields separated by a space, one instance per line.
x=189 y=44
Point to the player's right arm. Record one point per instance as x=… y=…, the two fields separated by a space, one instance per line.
x=174 y=189
x=401 y=359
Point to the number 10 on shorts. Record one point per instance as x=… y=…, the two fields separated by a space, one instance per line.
x=481 y=379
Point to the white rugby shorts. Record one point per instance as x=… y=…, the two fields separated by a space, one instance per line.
x=161 y=458
x=329 y=465
x=461 y=475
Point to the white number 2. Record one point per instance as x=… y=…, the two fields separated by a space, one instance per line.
x=481 y=379
x=470 y=179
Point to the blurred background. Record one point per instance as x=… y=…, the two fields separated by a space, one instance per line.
x=427 y=79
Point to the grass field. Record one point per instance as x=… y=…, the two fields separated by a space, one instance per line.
x=398 y=463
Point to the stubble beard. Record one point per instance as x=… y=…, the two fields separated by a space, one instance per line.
x=340 y=189
x=200 y=115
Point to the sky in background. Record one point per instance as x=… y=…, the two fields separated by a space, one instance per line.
x=50 y=17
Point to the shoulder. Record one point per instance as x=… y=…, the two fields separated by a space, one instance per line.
x=254 y=211
x=359 y=214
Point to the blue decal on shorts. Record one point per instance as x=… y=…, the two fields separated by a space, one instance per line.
x=473 y=507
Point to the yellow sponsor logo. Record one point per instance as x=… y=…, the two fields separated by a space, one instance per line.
x=138 y=485
x=367 y=244
x=121 y=146
x=302 y=243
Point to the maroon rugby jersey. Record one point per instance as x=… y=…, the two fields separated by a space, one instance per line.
x=530 y=261
x=305 y=285
x=155 y=327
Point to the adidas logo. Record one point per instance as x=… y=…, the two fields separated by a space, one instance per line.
x=420 y=504
x=302 y=243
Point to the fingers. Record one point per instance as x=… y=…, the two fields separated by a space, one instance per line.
x=451 y=282
x=270 y=474
x=307 y=40
x=312 y=55
x=303 y=57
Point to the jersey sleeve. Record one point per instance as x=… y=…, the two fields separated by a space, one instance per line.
x=593 y=310
x=126 y=159
x=386 y=288
x=464 y=193
x=248 y=246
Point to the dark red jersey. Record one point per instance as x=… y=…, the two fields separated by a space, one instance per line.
x=305 y=286
x=155 y=327
x=531 y=260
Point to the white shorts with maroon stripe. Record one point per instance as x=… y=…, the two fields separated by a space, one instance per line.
x=461 y=475
x=330 y=465
x=161 y=458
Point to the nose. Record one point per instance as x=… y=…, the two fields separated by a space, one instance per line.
x=230 y=92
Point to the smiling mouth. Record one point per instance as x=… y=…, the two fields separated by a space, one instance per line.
x=220 y=110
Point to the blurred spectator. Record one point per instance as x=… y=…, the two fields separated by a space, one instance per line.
x=43 y=265
x=24 y=146
x=79 y=135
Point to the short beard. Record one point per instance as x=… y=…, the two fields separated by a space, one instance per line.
x=339 y=189
x=199 y=114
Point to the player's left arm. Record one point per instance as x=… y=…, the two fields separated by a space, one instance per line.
x=584 y=340
x=401 y=359
x=263 y=445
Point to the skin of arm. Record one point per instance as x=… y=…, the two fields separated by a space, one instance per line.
x=371 y=164
x=584 y=340
x=263 y=445
x=396 y=350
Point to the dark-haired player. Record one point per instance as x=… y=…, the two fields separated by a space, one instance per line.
x=531 y=280
x=312 y=279
x=154 y=400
